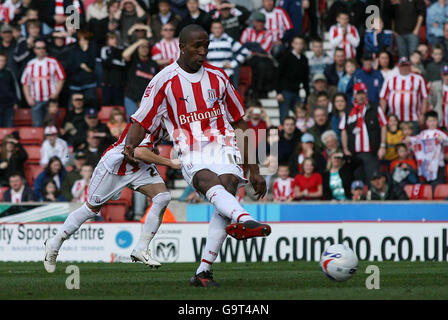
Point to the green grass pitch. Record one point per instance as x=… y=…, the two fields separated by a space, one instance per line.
x=239 y=281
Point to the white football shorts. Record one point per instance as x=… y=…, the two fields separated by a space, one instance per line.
x=105 y=186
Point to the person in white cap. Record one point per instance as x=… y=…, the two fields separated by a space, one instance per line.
x=53 y=146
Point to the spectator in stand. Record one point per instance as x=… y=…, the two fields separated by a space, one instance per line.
x=355 y=9
x=439 y=97
x=336 y=70
x=289 y=139
x=293 y=77
x=428 y=150
x=51 y=193
x=81 y=66
x=114 y=70
x=53 y=146
x=165 y=15
x=416 y=63
x=344 y=35
x=128 y=14
x=319 y=86
x=444 y=42
x=58 y=48
x=31 y=14
x=295 y=9
x=436 y=15
x=279 y=23
x=321 y=124
x=377 y=39
x=381 y=190
x=7 y=46
x=42 y=80
x=166 y=51
x=385 y=65
x=80 y=187
x=330 y=142
x=24 y=50
x=283 y=187
x=319 y=60
x=404 y=168
x=424 y=50
x=225 y=52
x=95 y=147
x=139 y=31
x=350 y=67
x=372 y=78
x=339 y=109
x=338 y=177
x=91 y=122
x=12 y=158
x=405 y=94
x=18 y=191
x=74 y=120
x=54 y=171
x=432 y=69
x=233 y=18
x=308 y=184
x=196 y=15
x=364 y=134
x=357 y=190
x=303 y=119
x=117 y=122
x=322 y=101
x=9 y=93
x=13 y=8
x=393 y=138
x=408 y=18
x=54 y=116
x=259 y=40
x=305 y=149
x=114 y=24
x=257 y=120
x=72 y=176
x=97 y=19
x=141 y=69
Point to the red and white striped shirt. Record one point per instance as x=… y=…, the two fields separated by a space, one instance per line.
x=356 y=115
x=43 y=76
x=348 y=41
x=164 y=49
x=277 y=21
x=196 y=108
x=444 y=121
x=4 y=14
x=113 y=158
x=265 y=38
x=80 y=191
x=283 y=189
x=404 y=95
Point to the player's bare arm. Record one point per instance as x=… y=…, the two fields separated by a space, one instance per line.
x=145 y=154
x=134 y=137
x=255 y=178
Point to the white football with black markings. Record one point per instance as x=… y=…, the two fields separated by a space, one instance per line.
x=339 y=262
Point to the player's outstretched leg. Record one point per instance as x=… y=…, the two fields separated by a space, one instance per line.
x=216 y=236
x=70 y=226
x=243 y=226
x=153 y=220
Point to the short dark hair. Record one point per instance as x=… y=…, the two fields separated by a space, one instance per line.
x=254 y=103
x=184 y=34
x=431 y=114
x=400 y=145
x=342 y=12
x=288 y=118
x=216 y=21
x=323 y=94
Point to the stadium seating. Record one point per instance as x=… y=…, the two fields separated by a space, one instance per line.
x=31 y=172
x=33 y=153
x=2 y=191
x=105 y=111
x=5 y=131
x=31 y=135
x=446 y=173
x=245 y=80
x=114 y=211
x=418 y=191
x=22 y=117
x=164 y=151
x=441 y=192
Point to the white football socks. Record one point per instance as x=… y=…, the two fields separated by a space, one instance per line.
x=71 y=225
x=227 y=204
x=216 y=236
x=153 y=219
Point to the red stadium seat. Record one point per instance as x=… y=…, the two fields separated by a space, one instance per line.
x=22 y=117
x=126 y=196
x=114 y=211
x=446 y=173
x=245 y=80
x=441 y=192
x=5 y=131
x=418 y=191
x=31 y=135
x=163 y=170
x=2 y=191
x=164 y=151
x=33 y=153
x=105 y=111
x=31 y=172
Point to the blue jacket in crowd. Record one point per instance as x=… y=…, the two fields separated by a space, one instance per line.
x=373 y=80
x=375 y=42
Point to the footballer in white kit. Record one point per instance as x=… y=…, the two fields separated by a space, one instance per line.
x=111 y=175
x=201 y=111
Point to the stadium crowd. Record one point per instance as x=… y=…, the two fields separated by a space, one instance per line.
x=363 y=111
